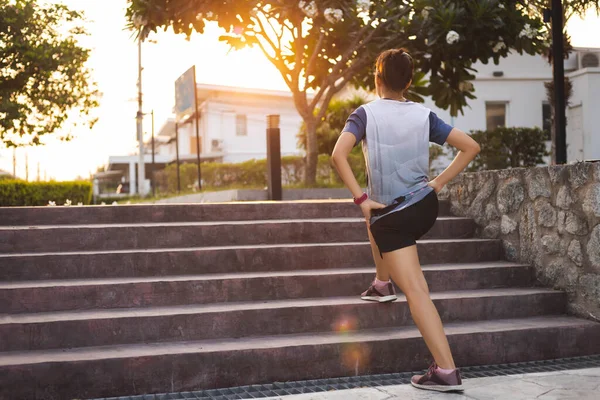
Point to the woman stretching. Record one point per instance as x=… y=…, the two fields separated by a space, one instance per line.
x=402 y=204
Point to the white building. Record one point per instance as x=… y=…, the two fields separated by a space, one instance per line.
x=512 y=94
x=233 y=124
x=232 y=128
x=233 y=120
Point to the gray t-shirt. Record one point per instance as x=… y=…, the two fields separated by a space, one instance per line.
x=395 y=136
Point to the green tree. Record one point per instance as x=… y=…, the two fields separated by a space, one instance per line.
x=570 y=9
x=332 y=124
x=43 y=73
x=503 y=148
x=5 y=176
x=321 y=46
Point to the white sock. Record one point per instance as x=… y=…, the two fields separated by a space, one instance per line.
x=380 y=283
x=445 y=371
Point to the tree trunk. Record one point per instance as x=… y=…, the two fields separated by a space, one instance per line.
x=312 y=154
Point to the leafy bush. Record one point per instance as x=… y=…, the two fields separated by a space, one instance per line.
x=503 y=148
x=252 y=174
x=21 y=193
x=249 y=174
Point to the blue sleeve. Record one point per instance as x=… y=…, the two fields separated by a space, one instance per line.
x=438 y=129
x=356 y=124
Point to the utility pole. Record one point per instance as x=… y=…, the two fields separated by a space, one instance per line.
x=14 y=162
x=197 y=125
x=177 y=155
x=26 y=167
x=139 y=125
x=152 y=176
x=560 y=128
x=38 y=171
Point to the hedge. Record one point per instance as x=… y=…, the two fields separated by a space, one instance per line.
x=253 y=174
x=504 y=148
x=21 y=193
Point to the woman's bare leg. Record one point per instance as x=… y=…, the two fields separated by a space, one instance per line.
x=404 y=267
x=382 y=273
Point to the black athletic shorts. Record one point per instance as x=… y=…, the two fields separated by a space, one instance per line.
x=403 y=228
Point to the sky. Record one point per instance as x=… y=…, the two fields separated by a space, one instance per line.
x=115 y=67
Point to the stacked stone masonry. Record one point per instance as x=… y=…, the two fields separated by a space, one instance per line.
x=546 y=216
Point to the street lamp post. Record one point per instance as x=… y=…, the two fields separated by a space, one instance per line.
x=139 y=125
x=177 y=155
x=152 y=173
x=559 y=83
x=274 y=158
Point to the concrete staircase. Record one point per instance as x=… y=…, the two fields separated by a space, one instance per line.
x=123 y=300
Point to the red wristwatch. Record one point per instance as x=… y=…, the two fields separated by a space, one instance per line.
x=361 y=199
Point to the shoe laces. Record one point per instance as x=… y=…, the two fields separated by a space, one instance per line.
x=432 y=368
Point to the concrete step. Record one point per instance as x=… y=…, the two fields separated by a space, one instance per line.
x=82 y=294
x=70 y=329
x=242 y=211
x=226 y=259
x=202 y=234
x=181 y=366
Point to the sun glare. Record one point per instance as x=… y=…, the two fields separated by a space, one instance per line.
x=114 y=62
x=165 y=57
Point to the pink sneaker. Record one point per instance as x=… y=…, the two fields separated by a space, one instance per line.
x=382 y=294
x=436 y=380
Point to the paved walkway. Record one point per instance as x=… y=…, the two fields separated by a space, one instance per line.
x=580 y=384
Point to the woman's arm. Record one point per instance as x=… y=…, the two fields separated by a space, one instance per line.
x=339 y=157
x=469 y=149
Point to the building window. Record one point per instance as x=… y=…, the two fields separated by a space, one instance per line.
x=241 y=125
x=547 y=120
x=495 y=115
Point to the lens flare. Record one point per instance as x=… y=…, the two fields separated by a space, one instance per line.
x=355 y=357
x=345 y=324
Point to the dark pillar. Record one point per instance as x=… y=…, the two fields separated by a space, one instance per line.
x=274 y=157
x=560 y=128
x=177 y=155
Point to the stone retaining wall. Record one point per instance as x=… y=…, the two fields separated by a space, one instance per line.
x=548 y=217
